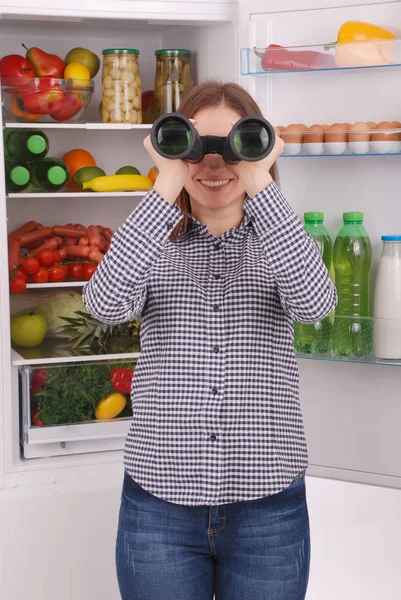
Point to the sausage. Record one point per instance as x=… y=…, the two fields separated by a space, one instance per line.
x=107 y=233
x=95 y=255
x=84 y=241
x=79 y=226
x=78 y=251
x=30 y=226
x=94 y=235
x=33 y=236
x=68 y=231
x=13 y=255
x=50 y=244
x=63 y=252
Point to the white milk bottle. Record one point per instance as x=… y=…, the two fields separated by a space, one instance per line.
x=387 y=305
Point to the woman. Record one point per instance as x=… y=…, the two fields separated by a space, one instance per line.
x=216 y=265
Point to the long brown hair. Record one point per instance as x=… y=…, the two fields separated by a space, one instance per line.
x=213 y=93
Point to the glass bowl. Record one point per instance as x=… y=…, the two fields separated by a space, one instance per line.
x=45 y=99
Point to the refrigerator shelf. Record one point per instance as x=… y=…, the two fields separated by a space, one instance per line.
x=50 y=353
x=61 y=284
x=325 y=154
x=370 y=359
x=76 y=125
x=71 y=195
x=302 y=59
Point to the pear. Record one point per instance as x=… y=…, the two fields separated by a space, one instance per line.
x=85 y=57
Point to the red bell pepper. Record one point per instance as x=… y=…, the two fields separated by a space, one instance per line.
x=35 y=419
x=121 y=380
x=278 y=58
x=39 y=379
x=42 y=95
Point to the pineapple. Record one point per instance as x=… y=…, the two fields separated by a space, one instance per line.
x=87 y=333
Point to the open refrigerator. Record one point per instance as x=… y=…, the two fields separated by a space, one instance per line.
x=351 y=407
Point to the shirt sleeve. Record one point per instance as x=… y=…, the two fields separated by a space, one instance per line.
x=306 y=290
x=117 y=290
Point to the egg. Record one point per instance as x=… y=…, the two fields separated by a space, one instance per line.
x=359 y=132
x=314 y=135
x=325 y=126
x=347 y=126
x=335 y=133
x=372 y=124
x=396 y=125
x=382 y=134
x=292 y=134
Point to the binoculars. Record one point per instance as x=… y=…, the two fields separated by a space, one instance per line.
x=174 y=136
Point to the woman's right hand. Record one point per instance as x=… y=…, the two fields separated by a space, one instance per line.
x=172 y=173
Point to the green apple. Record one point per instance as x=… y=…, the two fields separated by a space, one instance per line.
x=28 y=331
x=85 y=57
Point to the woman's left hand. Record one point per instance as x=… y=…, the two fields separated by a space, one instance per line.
x=255 y=176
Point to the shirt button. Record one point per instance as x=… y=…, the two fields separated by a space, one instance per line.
x=216 y=307
x=252 y=219
x=213 y=438
x=217 y=246
x=215 y=391
x=216 y=349
x=170 y=225
x=217 y=275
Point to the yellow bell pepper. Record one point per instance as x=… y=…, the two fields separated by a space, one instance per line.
x=110 y=407
x=362 y=44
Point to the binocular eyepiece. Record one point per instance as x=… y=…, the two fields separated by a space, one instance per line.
x=174 y=136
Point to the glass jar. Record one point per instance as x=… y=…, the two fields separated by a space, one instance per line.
x=121 y=86
x=173 y=79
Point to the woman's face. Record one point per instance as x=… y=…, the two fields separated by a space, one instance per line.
x=213 y=184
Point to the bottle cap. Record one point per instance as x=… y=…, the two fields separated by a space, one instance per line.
x=352 y=217
x=19 y=175
x=314 y=216
x=391 y=238
x=36 y=144
x=56 y=175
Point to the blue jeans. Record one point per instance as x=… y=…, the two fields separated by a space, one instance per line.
x=253 y=550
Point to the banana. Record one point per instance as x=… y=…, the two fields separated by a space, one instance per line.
x=118 y=183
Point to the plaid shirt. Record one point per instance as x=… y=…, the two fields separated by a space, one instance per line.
x=216 y=414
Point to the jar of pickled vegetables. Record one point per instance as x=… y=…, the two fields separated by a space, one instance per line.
x=121 y=86
x=173 y=79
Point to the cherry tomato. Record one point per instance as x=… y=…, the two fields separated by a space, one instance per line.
x=45 y=257
x=42 y=276
x=58 y=273
x=56 y=256
x=20 y=273
x=76 y=271
x=89 y=269
x=17 y=285
x=30 y=265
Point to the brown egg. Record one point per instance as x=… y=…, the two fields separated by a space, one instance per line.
x=314 y=135
x=347 y=126
x=396 y=125
x=325 y=126
x=335 y=133
x=279 y=128
x=359 y=132
x=372 y=124
x=292 y=134
x=382 y=134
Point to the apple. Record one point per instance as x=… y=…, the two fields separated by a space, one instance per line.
x=28 y=331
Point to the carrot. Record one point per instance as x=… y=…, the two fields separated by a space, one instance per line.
x=95 y=255
x=13 y=255
x=50 y=244
x=94 y=235
x=29 y=226
x=78 y=251
x=84 y=241
x=71 y=241
x=32 y=236
x=68 y=231
x=63 y=252
x=107 y=233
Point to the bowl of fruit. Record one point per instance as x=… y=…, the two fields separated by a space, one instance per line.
x=43 y=87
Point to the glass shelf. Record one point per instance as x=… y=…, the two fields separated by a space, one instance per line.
x=333 y=57
x=370 y=359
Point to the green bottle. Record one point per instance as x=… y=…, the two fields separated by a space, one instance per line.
x=316 y=337
x=353 y=331
x=26 y=144
x=18 y=176
x=49 y=174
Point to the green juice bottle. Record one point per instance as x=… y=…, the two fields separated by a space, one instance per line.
x=49 y=174
x=17 y=175
x=26 y=144
x=316 y=337
x=353 y=331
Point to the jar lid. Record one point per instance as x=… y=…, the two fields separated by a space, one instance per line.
x=120 y=51
x=352 y=216
x=391 y=238
x=172 y=51
x=314 y=216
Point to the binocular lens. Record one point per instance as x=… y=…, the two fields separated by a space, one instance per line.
x=173 y=137
x=251 y=139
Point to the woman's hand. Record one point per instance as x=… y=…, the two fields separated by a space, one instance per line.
x=255 y=176
x=172 y=173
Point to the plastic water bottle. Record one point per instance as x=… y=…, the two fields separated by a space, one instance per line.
x=316 y=337
x=352 y=255
x=17 y=175
x=387 y=312
x=49 y=174
x=26 y=144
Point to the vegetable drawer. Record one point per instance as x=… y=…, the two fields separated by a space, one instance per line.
x=73 y=408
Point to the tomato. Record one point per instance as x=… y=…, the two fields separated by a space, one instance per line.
x=30 y=265
x=58 y=273
x=20 y=273
x=46 y=257
x=89 y=269
x=76 y=271
x=17 y=285
x=41 y=276
x=56 y=256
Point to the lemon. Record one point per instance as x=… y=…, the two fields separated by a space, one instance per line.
x=78 y=72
